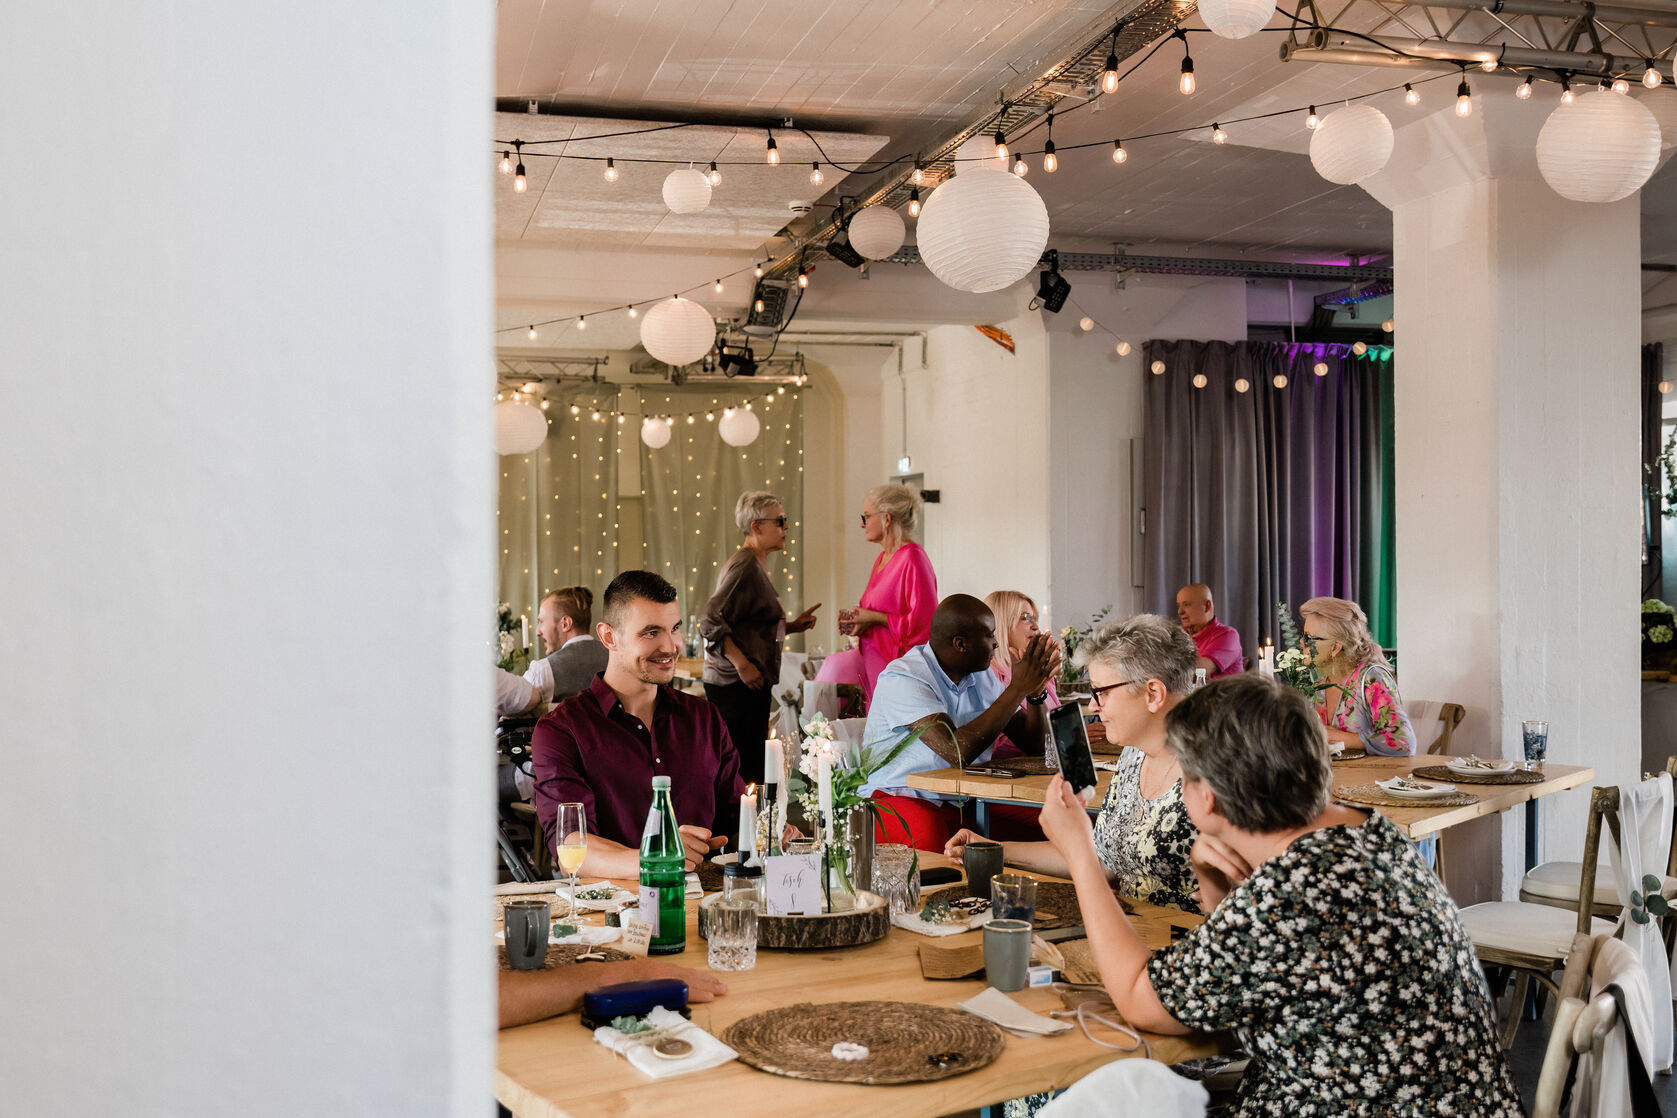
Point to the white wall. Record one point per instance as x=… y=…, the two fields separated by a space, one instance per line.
x=245 y=469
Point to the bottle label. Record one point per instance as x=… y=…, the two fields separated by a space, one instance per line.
x=649 y=907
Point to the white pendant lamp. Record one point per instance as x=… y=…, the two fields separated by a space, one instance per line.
x=1663 y=104
x=678 y=331
x=655 y=432
x=519 y=427
x=1351 y=144
x=982 y=230
x=1601 y=148
x=877 y=232
x=1236 y=19
x=686 y=191
x=739 y=427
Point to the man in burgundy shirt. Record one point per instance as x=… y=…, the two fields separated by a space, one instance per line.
x=601 y=748
x=1218 y=644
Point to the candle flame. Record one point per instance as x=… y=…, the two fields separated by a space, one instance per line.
x=751 y=790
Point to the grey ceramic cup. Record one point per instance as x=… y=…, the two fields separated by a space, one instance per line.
x=526 y=928
x=1007 y=954
x=982 y=860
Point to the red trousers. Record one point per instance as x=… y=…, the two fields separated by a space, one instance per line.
x=930 y=824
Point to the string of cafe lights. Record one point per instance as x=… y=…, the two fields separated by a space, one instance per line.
x=531 y=393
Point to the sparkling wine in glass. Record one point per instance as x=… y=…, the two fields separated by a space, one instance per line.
x=571 y=846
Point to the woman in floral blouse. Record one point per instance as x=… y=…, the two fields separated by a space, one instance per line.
x=1330 y=949
x=1360 y=705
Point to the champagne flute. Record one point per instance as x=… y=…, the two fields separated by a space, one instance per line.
x=571 y=846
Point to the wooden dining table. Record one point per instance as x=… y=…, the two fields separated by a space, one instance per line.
x=554 y=1069
x=1416 y=822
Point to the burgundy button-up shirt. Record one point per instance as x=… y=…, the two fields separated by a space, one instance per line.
x=589 y=750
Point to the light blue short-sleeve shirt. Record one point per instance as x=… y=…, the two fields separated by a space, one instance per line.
x=911 y=687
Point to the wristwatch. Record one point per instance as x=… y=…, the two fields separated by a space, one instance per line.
x=1039 y=698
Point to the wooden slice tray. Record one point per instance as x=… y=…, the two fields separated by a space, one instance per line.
x=867 y=922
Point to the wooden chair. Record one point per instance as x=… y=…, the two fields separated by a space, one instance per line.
x=1429 y=717
x=1563 y=1045
x=1534 y=940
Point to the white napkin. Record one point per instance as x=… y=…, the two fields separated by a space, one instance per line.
x=993 y=1005
x=694 y=889
x=1109 y=766
x=913 y=923
x=708 y=1052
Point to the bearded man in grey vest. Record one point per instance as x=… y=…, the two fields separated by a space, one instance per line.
x=575 y=657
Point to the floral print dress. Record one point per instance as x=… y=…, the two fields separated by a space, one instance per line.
x=1343 y=967
x=1145 y=843
x=1368 y=707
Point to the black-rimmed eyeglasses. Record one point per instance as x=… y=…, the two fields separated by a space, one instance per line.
x=1097 y=695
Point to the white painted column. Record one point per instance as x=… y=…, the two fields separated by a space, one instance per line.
x=245 y=455
x=1517 y=465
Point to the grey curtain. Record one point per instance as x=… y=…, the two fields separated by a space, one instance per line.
x=691 y=484
x=557 y=508
x=1653 y=370
x=1272 y=493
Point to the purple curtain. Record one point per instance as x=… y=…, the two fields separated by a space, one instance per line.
x=1274 y=493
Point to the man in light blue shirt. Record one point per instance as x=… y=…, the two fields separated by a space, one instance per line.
x=946 y=687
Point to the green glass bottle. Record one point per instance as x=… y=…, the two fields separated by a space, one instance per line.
x=663 y=878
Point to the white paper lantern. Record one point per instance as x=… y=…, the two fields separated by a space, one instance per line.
x=686 y=191
x=519 y=427
x=678 y=331
x=655 y=431
x=1600 y=148
x=739 y=427
x=877 y=232
x=1663 y=104
x=982 y=230
x=1351 y=144
x=1236 y=19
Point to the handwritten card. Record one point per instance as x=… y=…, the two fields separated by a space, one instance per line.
x=792 y=884
x=637 y=936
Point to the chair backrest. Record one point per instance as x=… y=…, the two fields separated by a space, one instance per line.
x=1564 y=1035
x=1430 y=717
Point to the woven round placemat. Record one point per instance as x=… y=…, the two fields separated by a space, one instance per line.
x=1451 y=776
x=1375 y=796
x=564 y=954
x=1056 y=903
x=906 y=1043
x=557 y=905
x=1349 y=755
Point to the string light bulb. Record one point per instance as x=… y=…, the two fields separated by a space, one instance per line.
x=773 y=152
x=1665 y=388
x=803 y=277
x=1620 y=85
x=1488 y=65
x=914 y=201
x=519 y=183
x=718 y=287
x=919 y=176
x=1218 y=136
x=633 y=313
x=1524 y=92
x=532 y=333
x=711 y=415
x=610 y=174
x=1311 y=120
x=1186 y=82
x=506 y=163
x=757 y=306
x=1566 y=91
x=816 y=178
x=1280 y=380
x=1200 y=380
x=1389 y=325
x=1123 y=349
x=1019 y=167
x=582 y=322
x=1050 y=161
x=1001 y=142
x=1109 y=72
x=1359 y=348
x=1652 y=77
x=1119 y=155
x=1464 y=99
x=1409 y=94
x=757 y=271
x=1320 y=368
x=713 y=176
x=575 y=410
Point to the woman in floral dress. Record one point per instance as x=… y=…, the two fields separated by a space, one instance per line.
x=1360 y=706
x=1329 y=948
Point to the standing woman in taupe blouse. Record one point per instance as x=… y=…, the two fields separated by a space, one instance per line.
x=744 y=628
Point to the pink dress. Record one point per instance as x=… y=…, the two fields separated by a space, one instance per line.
x=904 y=589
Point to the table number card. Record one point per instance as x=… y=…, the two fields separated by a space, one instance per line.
x=637 y=937
x=792 y=884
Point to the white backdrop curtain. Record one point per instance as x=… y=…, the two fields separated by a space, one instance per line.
x=691 y=484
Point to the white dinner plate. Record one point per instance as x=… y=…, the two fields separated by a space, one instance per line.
x=1431 y=790
x=1466 y=767
x=619 y=897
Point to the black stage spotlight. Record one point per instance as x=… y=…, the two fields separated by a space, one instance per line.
x=1052 y=289
x=737 y=361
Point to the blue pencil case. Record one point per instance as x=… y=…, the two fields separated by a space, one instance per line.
x=633 y=999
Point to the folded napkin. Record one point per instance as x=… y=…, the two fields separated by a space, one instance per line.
x=993 y=1005
x=694 y=889
x=708 y=1052
x=913 y=923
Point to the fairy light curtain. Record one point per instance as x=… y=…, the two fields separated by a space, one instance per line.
x=691 y=484
x=558 y=511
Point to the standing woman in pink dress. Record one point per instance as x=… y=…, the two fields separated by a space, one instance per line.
x=895 y=612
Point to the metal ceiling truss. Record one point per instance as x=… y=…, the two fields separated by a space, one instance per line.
x=1555 y=37
x=555 y=370
x=1138 y=24
x=1122 y=263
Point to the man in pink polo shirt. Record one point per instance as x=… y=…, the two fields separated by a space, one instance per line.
x=1218 y=644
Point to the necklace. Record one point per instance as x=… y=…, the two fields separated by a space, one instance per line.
x=1171 y=771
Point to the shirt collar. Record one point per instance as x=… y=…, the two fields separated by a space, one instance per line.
x=578 y=637
x=941 y=677
x=607 y=698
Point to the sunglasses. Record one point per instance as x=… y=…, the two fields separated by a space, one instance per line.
x=777 y=521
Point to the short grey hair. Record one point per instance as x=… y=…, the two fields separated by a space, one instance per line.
x=1143 y=647
x=754 y=505
x=902 y=505
x=1260 y=746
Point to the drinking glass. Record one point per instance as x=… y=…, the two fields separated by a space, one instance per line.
x=1013 y=897
x=803 y=845
x=894 y=877
x=1535 y=736
x=572 y=846
x=733 y=932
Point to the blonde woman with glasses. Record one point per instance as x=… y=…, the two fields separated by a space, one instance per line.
x=1361 y=705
